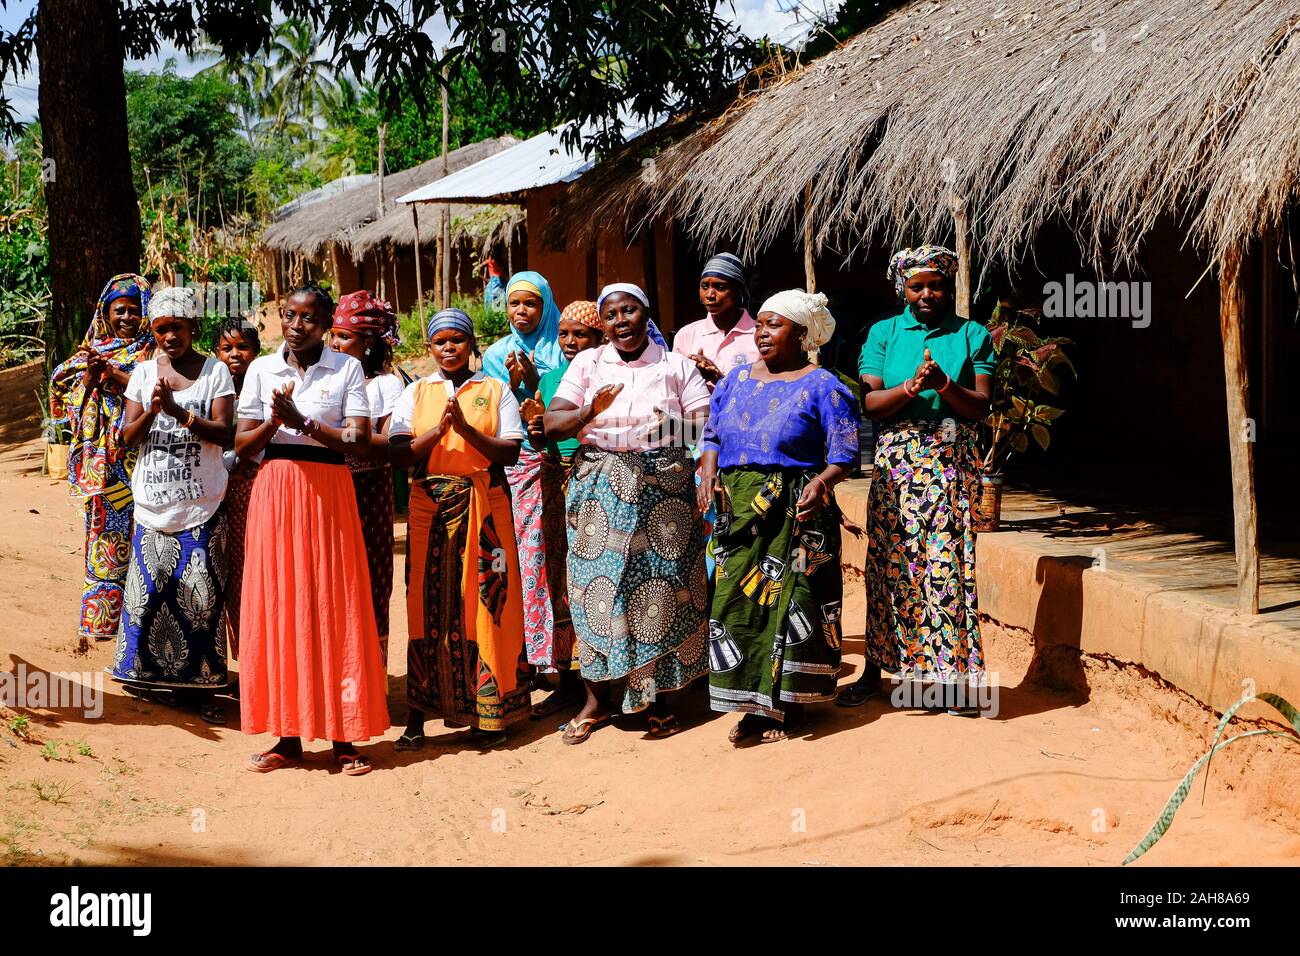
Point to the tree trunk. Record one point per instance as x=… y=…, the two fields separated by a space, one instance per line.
x=94 y=217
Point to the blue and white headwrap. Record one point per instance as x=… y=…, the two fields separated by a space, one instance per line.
x=726 y=266
x=452 y=319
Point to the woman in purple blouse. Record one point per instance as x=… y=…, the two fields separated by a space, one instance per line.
x=782 y=432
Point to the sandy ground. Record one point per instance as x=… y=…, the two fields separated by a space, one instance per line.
x=1054 y=779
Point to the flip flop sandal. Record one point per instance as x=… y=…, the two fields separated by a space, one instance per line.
x=488 y=739
x=745 y=728
x=268 y=761
x=577 y=731
x=409 y=742
x=855 y=695
x=213 y=714
x=661 y=727
x=963 y=711
x=781 y=733
x=354 y=765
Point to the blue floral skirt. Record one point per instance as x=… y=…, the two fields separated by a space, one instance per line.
x=172 y=633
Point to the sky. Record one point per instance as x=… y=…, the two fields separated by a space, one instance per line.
x=755 y=17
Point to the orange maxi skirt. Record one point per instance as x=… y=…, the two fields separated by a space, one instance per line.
x=309 y=662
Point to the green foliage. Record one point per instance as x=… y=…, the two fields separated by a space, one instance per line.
x=1166 y=818
x=1027 y=367
x=488 y=326
x=19 y=725
x=185 y=143
x=414 y=133
x=24 y=254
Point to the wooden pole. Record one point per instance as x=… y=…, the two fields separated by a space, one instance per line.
x=334 y=264
x=1241 y=431
x=961 y=226
x=383 y=136
x=419 y=280
x=446 y=209
x=397 y=292
x=809 y=274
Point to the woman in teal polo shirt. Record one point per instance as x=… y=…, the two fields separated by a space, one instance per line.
x=927 y=379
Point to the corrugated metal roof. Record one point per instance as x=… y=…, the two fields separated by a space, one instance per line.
x=506 y=176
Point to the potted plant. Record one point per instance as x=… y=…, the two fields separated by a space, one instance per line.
x=1028 y=367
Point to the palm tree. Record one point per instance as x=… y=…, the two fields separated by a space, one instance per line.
x=301 y=85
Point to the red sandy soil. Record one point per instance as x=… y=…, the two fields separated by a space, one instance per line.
x=1070 y=779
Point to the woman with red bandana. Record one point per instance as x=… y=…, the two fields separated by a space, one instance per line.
x=366 y=329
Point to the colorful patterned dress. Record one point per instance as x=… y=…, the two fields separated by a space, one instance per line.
x=775 y=631
x=99 y=464
x=922 y=613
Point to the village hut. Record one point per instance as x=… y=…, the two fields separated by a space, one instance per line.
x=1062 y=142
x=332 y=237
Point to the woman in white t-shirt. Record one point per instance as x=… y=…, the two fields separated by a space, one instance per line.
x=179 y=413
x=309 y=657
x=366 y=329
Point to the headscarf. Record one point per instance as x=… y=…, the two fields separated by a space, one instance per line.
x=726 y=266
x=174 y=302
x=543 y=342
x=95 y=418
x=636 y=292
x=584 y=311
x=453 y=319
x=927 y=258
x=363 y=313
x=807 y=309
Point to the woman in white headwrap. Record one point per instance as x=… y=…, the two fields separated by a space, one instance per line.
x=782 y=432
x=180 y=409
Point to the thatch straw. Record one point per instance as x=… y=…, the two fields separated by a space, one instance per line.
x=309 y=230
x=1106 y=113
x=483 y=226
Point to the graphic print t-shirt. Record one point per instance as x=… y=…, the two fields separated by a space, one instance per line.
x=179 y=480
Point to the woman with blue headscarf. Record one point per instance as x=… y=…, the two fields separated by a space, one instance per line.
x=520 y=359
x=457 y=429
x=87 y=399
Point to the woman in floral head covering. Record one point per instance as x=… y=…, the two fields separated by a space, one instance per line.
x=365 y=327
x=86 y=400
x=926 y=378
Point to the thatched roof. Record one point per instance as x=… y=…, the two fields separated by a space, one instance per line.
x=339 y=218
x=485 y=226
x=1107 y=113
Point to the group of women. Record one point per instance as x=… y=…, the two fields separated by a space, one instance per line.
x=586 y=503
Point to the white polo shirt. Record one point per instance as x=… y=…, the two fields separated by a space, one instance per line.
x=333 y=389
x=509 y=424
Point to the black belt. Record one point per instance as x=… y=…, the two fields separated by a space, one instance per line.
x=316 y=453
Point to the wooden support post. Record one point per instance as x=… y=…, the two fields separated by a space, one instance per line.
x=1241 y=431
x=419 y=279
x=334 y=264
x=809 y=274
x=961 y=226
x=397 y=292
x=446 y=208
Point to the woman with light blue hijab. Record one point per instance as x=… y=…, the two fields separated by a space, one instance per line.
x=532 y=346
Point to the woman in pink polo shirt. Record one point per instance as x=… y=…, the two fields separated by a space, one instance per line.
x=724 y=338
x=637 y=588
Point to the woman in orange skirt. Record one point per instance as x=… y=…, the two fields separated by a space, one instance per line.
x=310 y=664
x=464 y=601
